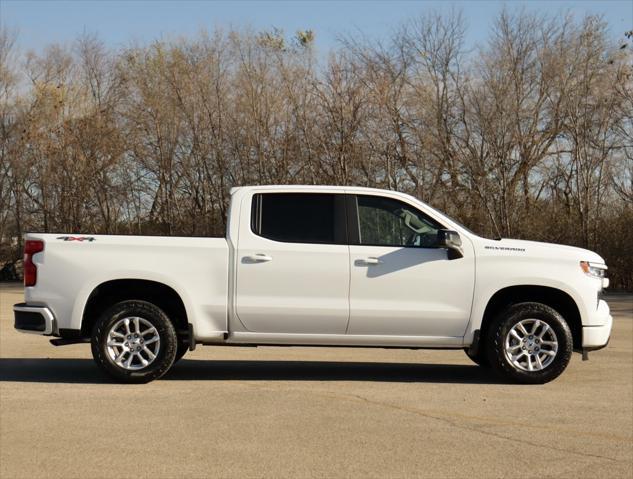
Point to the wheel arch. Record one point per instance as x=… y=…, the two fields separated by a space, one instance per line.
x=555 y=298
x=111 y=292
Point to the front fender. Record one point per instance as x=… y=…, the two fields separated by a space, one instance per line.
x=485 y=292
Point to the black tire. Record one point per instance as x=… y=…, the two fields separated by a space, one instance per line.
x=500 y=328
x=133 y=308
x=181 y=350
x=481 y=358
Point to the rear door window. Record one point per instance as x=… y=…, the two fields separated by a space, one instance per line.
x=299 y=217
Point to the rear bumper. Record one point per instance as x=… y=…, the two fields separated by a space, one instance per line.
x=34 y=319
x=596 y=337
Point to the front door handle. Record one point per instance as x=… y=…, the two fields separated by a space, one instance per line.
x=258 y=258
x=371 y=260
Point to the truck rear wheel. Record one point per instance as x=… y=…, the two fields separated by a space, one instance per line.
x=529 y=343
x=134 y=342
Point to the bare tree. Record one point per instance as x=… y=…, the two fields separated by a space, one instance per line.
x=529 y=135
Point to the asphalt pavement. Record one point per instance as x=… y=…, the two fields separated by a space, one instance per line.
x=311 y=412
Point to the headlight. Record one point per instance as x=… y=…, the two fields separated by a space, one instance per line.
x=597 y=270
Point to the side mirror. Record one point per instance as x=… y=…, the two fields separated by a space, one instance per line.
x=452 y=242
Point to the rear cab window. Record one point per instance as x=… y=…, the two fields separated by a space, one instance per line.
x=317 y=218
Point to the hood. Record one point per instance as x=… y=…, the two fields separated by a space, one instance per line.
x=532 y=248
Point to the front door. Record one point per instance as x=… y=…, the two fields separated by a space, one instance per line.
x=401 y=284
x=293 y=264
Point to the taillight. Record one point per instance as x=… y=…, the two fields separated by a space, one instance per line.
x=30 y=269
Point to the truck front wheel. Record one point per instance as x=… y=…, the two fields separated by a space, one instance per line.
x=183 y=347
x=529 y=343
x=134 y=342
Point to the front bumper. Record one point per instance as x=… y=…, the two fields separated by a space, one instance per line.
x=596 y=337
x=34 y=319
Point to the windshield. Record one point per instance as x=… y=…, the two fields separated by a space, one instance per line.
x=452 y=219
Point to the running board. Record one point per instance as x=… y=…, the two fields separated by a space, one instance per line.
x=348 y=340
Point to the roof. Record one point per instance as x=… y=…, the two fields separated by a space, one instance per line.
x=315 y=187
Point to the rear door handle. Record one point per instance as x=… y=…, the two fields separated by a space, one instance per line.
x=258 y=258
x=371 y=260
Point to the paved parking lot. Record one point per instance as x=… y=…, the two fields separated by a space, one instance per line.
x=311 y=412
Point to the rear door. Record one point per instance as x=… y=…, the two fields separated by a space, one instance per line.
x=293 y=264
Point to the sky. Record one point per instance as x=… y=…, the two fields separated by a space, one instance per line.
x=119 y=22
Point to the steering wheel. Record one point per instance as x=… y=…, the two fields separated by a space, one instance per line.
x=410 y=240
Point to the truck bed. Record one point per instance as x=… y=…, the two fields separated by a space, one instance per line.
x=72 y=266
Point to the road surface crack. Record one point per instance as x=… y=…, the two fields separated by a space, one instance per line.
x=470 y=428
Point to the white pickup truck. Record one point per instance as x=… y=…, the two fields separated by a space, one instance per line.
x=317 y=266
